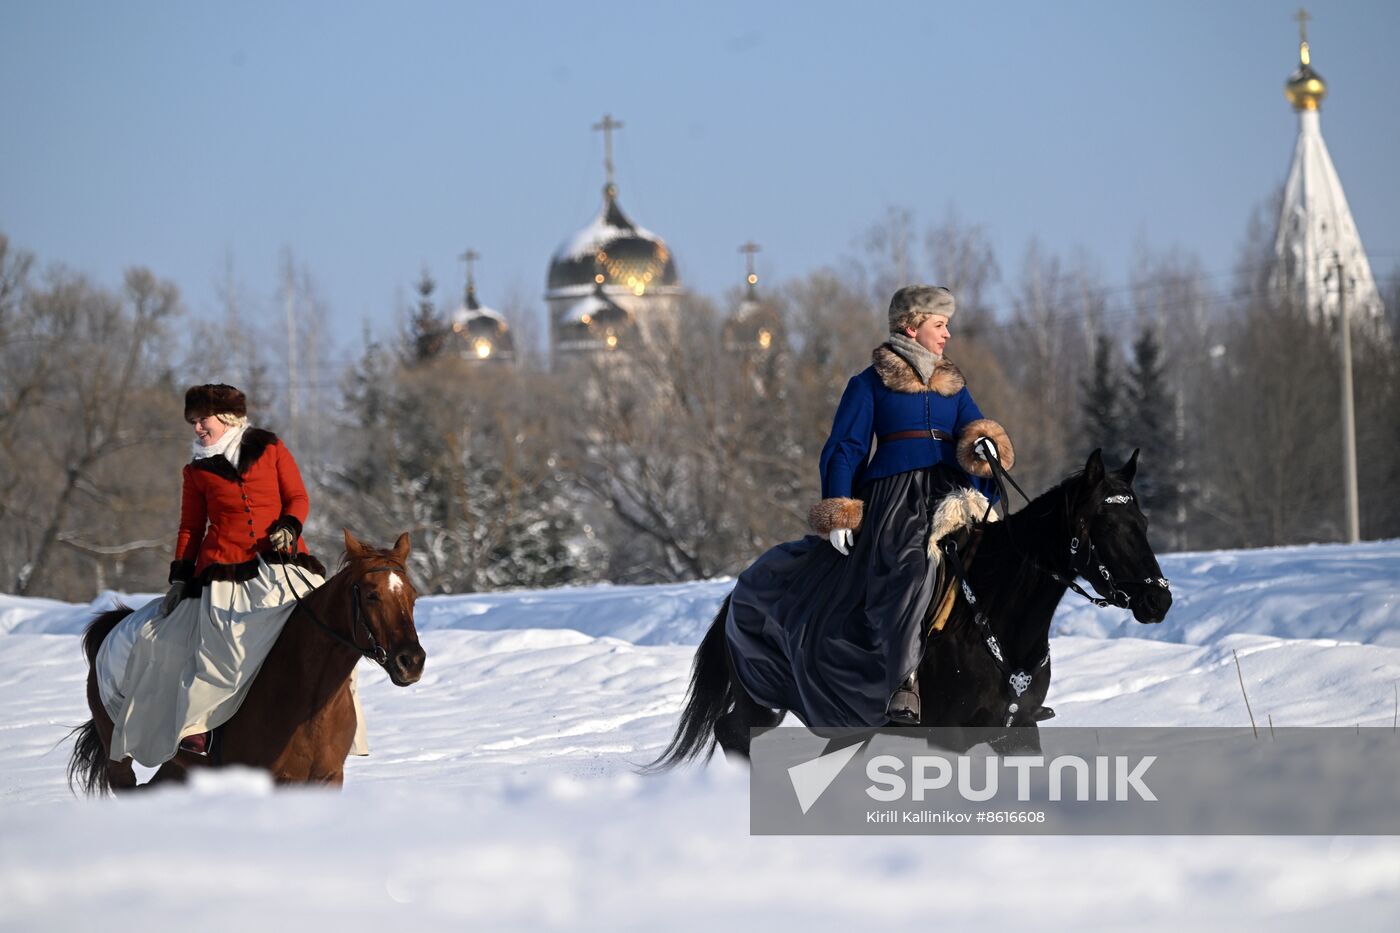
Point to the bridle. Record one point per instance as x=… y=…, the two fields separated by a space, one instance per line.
x=375 y=652
x=1084 y=559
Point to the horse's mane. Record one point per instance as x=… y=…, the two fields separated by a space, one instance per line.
x=1036 y=531
x=1034 y=518
x=1045 y=506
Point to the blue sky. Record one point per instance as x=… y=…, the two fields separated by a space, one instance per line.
x=375 y=139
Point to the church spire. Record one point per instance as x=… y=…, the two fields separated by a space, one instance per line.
x=749 y=250
x=1320 y=257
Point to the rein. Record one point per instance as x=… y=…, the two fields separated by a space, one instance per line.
x=375 y=652
x=1018 y=680
x=1080 y=561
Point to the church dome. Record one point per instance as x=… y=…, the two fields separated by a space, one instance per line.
x=1305 y=88
x=481 y=333
x=612 y=251
x=755 y=326
x=595 y=322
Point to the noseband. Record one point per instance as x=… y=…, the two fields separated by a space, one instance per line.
x=1083 y=561
x=375 y=652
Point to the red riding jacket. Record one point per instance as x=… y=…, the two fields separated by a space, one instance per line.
x=226 y=514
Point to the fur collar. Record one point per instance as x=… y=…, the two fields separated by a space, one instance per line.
x=255 y=441
x=899 y=376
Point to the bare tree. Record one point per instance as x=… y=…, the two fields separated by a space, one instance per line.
x=103 y=414
x=962 y=259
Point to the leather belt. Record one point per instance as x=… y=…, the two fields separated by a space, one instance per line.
x=913 y=435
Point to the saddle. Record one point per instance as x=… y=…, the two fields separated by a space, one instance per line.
x=945 y=589
x=958 y=517
x=945 y=592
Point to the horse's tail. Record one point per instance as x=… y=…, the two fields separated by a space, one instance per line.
x=710 y=696
x=87 y=767
x=100 y=628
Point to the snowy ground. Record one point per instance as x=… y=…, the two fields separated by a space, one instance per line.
x=501 y=792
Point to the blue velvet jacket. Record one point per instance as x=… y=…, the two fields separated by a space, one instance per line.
x=887 y=398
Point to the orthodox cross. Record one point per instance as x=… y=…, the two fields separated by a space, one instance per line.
x=470 y=257
x=1302 y=17
x=607 y=126
x=748 y=249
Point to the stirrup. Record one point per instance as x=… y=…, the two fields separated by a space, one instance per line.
x=904 y=707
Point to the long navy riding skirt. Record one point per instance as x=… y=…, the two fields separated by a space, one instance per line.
x=831 y=637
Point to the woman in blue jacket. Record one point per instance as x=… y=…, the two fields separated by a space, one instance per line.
x=830 y=627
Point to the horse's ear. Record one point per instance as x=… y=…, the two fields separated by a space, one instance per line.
x=1129 y=469
x=352 y=546
x=401 y=548
x=1093 y=470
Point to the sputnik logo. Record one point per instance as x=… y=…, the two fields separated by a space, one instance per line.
x=811 y=778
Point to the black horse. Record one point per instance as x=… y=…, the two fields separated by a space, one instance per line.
x=989 y=666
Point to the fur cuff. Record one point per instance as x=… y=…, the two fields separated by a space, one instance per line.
x=829 y=514
x=181 y=571
x=995 y=433
x=289 y=522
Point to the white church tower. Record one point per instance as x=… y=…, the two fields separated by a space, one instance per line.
x=1317 y=237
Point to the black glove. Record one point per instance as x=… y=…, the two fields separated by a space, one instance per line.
x=172 y=599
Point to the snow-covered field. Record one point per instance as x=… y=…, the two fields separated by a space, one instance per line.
x=501 y=792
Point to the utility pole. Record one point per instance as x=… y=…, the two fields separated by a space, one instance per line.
x=289 y=301
x=1348 y=414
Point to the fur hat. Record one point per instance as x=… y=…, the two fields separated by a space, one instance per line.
x=214 y=399
x=913 y=304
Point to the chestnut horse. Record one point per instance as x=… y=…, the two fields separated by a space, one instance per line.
x=298 y=719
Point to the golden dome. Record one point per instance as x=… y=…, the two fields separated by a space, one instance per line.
x=1305 y=88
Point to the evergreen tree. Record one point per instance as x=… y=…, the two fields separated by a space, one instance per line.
x=1101 y=402
x=450 y=451
x=1151 y=425
x=427 y=331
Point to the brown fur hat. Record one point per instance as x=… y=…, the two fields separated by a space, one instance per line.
x=214 y=399
x=913 y=304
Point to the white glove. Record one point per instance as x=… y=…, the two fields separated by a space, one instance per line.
x=283 y=539
x=985 y=449
x=841 y=539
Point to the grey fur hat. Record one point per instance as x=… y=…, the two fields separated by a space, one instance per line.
x=913 y=304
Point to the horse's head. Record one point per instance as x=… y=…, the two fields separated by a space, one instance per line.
x=1110 y=548
x=382 y=596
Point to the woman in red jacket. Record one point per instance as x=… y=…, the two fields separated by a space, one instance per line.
x=182 y=665
x=243 y=498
